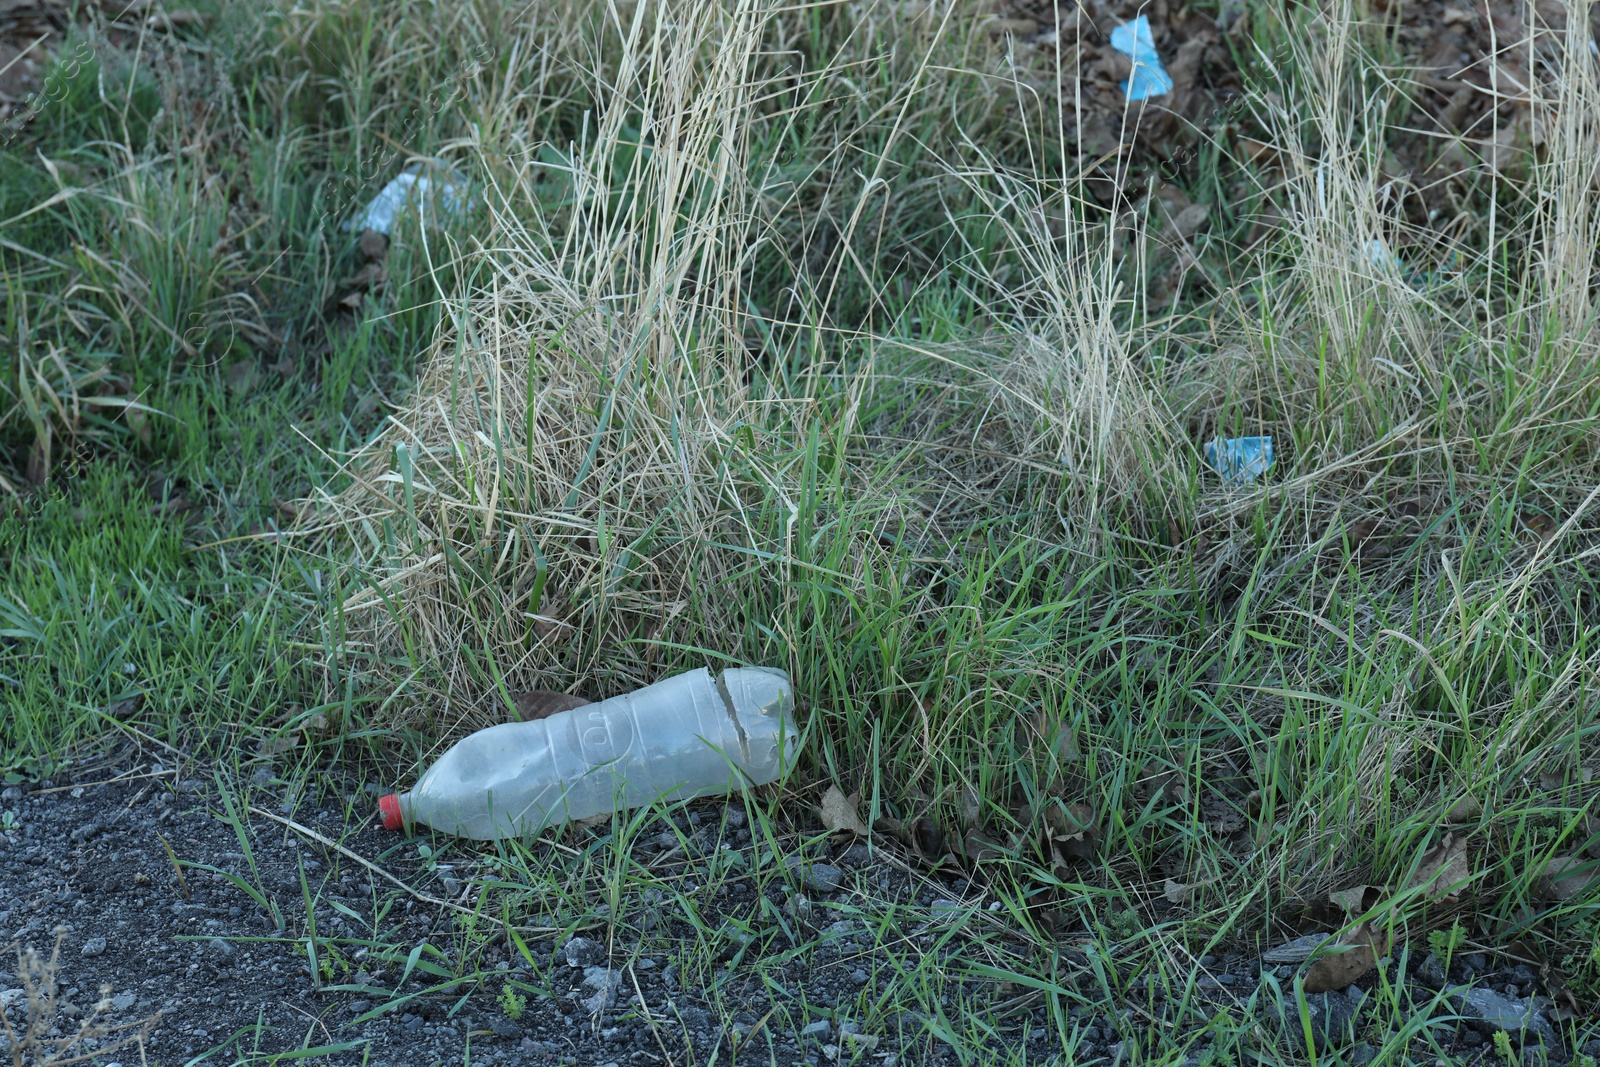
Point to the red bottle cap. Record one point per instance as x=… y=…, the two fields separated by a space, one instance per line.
x=389 y=808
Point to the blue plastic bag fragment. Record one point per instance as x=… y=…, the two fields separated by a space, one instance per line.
x=444 y=189
x=1240 y=459
x=1149 y=77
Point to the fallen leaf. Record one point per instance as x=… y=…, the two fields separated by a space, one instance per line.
x=1190 y=220
x=542 y=703
x=978 y=847
x=1357 y=900
x=1353 y=955
x=1566 y=877
x=1442 y=871
x=929 y=840
x=279 y=744
x=1297 y=951
x=373 y=245
x=1542 y=526
x=137 y=422
x=840 y=812
x=971 y=808
x=124 y=708
x=240 y=376
x=1073 y=830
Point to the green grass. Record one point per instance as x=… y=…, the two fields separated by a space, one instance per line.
x=1003 y=585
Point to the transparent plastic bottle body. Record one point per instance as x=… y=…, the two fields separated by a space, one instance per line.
x=686 y=736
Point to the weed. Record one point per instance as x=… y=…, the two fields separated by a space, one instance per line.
x=1445 y=942
x=512 y=1003
x=37 y=1026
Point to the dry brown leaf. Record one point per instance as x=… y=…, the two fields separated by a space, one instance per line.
x=126 y=707
x=1542 y=526
x=840 y=813
x=543 y=703
x=971 y=808
x=1353 y=956
x=373 y=245
x=1355 y=900
x=1566 y=877
x=979 y=847
x=1073 y=830
x=280 y=744
x=1443 y=871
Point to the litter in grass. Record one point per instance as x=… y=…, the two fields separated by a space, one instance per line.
x=1240 y=459
x=417 y=183
x=1148 y=77
x=690 y=735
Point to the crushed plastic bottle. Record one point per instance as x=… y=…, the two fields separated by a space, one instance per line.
x=687 y=736
x=1240 y=460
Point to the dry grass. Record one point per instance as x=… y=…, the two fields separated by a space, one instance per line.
x=41 y=1028
x=614 y=464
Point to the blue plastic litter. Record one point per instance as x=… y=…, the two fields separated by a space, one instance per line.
x=445 y=190
x=1149 y=77
x=1240 y=459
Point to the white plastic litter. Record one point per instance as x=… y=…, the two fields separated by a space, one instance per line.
x=1149 y=78
x=687 y=736
x=1240 y=459
x=445 y=191
x=1381 y=257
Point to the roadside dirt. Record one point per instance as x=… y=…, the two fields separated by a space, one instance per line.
x=298 y=924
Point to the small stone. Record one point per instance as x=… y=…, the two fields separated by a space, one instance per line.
x=95 y=946
x=1431 y=972
x=1332 y=1017
x=605 y=982
x=582 y=952
x=1489 y=1012
x=857 y=855
x=817 y=877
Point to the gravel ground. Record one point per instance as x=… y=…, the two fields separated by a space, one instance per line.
x=817 y=966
